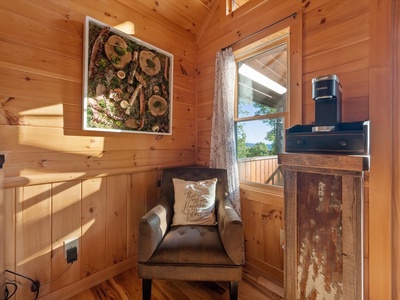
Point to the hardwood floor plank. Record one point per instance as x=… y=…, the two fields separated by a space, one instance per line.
x=168 y=290
x=130 y=282
x=127 y=286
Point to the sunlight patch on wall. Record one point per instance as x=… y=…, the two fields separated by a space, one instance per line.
x=128 y=27
x=50 y=110
x=86 y=226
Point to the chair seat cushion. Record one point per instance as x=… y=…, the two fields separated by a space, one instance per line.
x=192 y=245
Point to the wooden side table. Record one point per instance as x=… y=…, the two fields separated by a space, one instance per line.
x=323 y=225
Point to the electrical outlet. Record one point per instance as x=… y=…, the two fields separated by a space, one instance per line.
x=282 y=238
x=70 y=244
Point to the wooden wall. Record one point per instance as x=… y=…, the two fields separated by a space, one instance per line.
x=351 y=39
x=41 y=92
x=60 y=181
x=2 y=234
x=263 y=218
x=383 y=187
x=102 y=212
x=335 y=41
x=75 y=179
x=396 y=162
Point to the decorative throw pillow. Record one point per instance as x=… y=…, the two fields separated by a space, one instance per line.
x=194 y=202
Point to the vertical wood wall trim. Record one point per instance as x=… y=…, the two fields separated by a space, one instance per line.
x=296 y=69
x=290 y=231
x=396 y=149
x=2 y=233
x=380 y=108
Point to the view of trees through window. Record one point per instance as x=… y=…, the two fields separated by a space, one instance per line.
x=271 y=143
x=261 y=108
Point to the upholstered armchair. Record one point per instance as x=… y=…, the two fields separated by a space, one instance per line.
x=191 y=252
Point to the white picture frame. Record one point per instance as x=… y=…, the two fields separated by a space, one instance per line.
x=127 y=83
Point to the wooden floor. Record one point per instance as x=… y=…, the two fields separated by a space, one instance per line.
x=128 y=286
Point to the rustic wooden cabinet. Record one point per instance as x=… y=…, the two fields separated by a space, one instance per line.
x=323 y=225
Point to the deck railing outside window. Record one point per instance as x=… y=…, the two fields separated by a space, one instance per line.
x=263 y=169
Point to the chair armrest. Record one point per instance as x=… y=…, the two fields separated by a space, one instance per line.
x=230 y=228
x=152 y=228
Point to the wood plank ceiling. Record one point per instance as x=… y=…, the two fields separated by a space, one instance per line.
x=188 y=14
x=194 y=15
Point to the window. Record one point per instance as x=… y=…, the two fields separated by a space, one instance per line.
x=262 y=110
x=235 y=4
x=230 y=6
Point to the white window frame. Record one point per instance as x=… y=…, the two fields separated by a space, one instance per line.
x=292 y=28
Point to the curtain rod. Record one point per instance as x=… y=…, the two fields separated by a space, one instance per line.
x=293 y=15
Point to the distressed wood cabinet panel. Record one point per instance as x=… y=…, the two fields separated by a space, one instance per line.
x=319 y=236
x=324 y=226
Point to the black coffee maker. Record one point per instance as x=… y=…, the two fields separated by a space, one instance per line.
x=327 y=94
x=328 y=134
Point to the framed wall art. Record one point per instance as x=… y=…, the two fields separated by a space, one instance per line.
x=127 y=84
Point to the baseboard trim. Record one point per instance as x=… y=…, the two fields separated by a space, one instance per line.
x=265 y=270
x=90 y=281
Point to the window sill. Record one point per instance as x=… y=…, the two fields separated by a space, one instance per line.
x=262 y=188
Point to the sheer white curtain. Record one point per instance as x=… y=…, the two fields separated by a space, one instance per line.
x=223 y=147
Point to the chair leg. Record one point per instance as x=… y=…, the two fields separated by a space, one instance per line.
x=146 y=289
x=233 y=290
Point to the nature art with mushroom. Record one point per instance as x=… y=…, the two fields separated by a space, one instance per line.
x=128 y=84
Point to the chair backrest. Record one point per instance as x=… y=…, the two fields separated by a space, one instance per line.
x=194 y=174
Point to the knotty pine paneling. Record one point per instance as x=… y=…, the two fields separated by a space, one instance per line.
x=93 y=211
x=33 y=236
x=61 y=181
x=113 y=159
x=382 y=187
x=187 y=14
x=336 y=40
x=118 y=196
x=263 y=219
x=396 y=161
x=102 y=212
x=318 y=13
x=41 y=90
x=65 y=224
x=136 y=208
